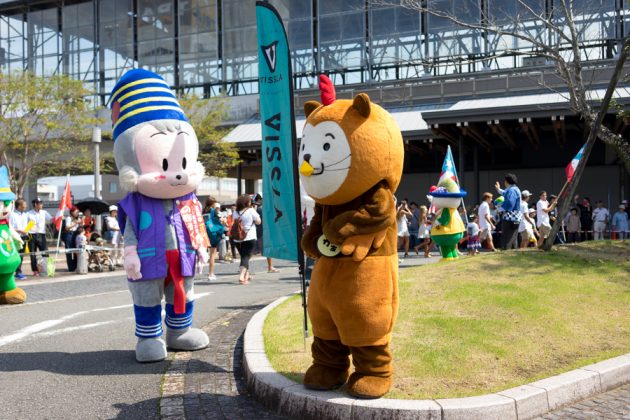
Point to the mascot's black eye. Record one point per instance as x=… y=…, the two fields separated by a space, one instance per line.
x=164 y=164
x=184 y=163
x=326 y=146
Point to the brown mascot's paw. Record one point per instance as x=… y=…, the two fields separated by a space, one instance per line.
x=364 y=386
x=12 y=297
x=323 y=378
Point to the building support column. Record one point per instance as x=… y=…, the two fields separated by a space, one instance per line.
x=250 y=186
x=461 y=160
x=476 y=173
x=239 y=179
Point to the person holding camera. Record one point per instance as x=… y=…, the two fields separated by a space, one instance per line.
x=403 y=226
x=543 y=220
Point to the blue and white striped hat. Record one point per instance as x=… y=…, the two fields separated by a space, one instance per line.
x=5 y=185
x=140 y=96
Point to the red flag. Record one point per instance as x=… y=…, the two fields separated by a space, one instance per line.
x=66 y=203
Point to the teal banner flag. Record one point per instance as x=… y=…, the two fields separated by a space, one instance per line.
x=279 y=174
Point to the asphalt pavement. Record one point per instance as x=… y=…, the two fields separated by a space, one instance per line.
x=68 y=352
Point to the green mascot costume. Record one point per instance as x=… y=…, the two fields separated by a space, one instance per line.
x=10 y=243
x=448 y=227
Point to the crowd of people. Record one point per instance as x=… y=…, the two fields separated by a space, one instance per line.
x=509 y=219
x=76 y=231
x=79 y=229
x=224 y=245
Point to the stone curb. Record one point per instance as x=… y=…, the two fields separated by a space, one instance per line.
x=289 y=398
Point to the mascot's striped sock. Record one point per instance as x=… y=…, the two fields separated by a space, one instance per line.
x=148 y=321
x=179 y=321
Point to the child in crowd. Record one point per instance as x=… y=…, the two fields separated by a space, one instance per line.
x=424 y=232
x=573 y=225
x=473 y=236
x=82 y=256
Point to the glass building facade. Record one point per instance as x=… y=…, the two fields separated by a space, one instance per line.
x=209 y=46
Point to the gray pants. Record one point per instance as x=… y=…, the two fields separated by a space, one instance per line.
x=147 y=299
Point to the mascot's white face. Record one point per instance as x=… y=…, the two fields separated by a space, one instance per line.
x=324 y=158
x=167 y=161
x=6 y=207
x=446 y=202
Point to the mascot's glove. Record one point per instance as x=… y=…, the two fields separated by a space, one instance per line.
x=17 y=238
x=202 y=259
x=359 y=245
x=132 y=263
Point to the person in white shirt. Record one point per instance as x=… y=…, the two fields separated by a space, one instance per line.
x=248 y=217
x=38 y=233
x=600 y=219
x=543 y=208
x=526 y=227
x=486 y=226
x=19 y=220
x=113 y=233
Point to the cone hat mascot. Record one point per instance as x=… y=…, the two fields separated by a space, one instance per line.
x=351 y=160
x=10 y=244
x=448 y=228
x=156 y=153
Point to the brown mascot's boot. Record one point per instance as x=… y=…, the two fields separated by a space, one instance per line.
x=330 y=365
x=12 y=297
x=372 y=377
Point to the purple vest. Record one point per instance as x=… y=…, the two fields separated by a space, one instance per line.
x=149 y=222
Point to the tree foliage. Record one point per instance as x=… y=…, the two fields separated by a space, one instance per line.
x=206 y=116
x=43 y=121
x=559 y=34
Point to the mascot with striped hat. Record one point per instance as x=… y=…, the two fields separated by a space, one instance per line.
x=156 y=152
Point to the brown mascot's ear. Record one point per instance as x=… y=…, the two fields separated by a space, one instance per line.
x=362 y=104
x=311 y=106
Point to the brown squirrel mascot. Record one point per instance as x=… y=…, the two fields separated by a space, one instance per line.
x=351 y=160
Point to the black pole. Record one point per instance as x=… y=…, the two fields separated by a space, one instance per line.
x=298 y=203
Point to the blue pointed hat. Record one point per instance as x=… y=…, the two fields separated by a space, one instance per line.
x=5 y=186
x=140 y=96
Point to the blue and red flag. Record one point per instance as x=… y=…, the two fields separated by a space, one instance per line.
x=572 y=166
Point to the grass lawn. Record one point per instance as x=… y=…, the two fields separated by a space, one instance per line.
x=491 y=322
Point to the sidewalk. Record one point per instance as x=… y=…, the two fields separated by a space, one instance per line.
x=210 y=384
x=216 y=383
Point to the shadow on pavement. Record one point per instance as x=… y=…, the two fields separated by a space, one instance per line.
x=106 y=362
x=147 y=409
x=245 y=307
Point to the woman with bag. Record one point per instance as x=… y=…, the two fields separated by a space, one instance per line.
x=215 y=229
x=245 y=217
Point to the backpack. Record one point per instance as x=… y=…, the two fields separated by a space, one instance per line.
x=237 y=232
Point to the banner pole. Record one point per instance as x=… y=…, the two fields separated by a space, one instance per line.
x=63 y=198
x=276 y=82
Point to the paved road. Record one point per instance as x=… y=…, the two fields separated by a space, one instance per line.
x=69 y=351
